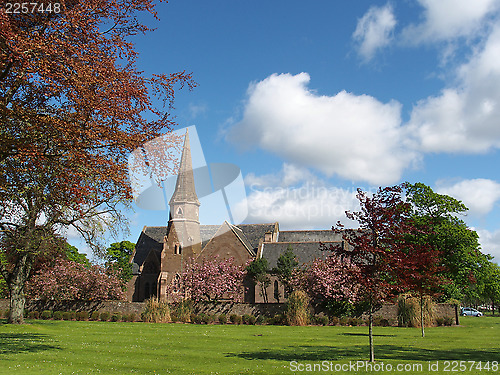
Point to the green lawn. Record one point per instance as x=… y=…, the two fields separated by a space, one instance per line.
x=58 y=347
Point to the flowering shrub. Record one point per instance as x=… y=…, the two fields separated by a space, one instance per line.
x=329 y=279
x=209 y=280
x=69 y=280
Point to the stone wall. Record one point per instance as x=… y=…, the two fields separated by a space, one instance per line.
x=110 y=306
x=388 y=311
x=266 y=309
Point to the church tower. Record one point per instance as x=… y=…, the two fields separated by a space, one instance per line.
x=184 y=204
x=183 y=240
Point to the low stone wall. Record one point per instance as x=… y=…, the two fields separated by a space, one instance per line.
x=256 y=309
x=388 y=311
x=123 y=307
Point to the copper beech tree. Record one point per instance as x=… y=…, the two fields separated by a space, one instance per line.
x=73 y=105
x=387 y=250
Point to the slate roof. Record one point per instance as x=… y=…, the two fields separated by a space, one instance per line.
x=305 y=252
x=150 y=238
x=255 y=232
x=207 y=232
x=243 y=239
x=309 y=236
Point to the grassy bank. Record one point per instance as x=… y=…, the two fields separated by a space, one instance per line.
x=54 y=347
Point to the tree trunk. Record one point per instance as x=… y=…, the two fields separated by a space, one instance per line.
x=370 y=334
x=263 y=289
x=17 y=284
x=422 y=323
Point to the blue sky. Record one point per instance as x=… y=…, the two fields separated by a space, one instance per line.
x=314 y=99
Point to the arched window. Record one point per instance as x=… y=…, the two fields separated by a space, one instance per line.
x=178 y=249
x=179 y=211
x=176 y=283
x=276 y=290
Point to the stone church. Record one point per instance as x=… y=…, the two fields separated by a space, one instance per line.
x=161 y=252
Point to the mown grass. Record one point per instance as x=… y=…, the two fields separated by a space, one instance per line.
x=60 y=347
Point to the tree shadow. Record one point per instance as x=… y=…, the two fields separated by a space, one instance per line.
x=304 y=353
x=360 y=352
x=14 y=343
x=365 y=334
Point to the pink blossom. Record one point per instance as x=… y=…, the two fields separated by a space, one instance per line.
x=68 y=280
x=209 y=280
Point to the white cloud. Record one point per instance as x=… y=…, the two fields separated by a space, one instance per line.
x=445 y=20
x=479 y=195
x=289 y=175
x=354 y=136
x=490 y=243
x=308 y=204
x=196 y=110
x=374 y=30
x=464 y=118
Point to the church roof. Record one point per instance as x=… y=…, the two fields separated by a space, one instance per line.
x=207 y=232
x=305 y=252
x=243 y=239
x=309 y=236
x=151 y=238
x=255 y=232
x=185 y=190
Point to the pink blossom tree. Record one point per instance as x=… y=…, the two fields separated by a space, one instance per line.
x=209 y=280
x=329 y=279
x=69 y=280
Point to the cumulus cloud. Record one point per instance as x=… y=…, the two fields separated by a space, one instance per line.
x=490 y=243
x=464 y=118
x=374 y=30
x=445 y=20
x=289 y=175
x=306 y=203
x=479 y=195
x=354 y=136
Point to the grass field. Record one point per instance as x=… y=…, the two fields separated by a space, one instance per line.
x=59 y=347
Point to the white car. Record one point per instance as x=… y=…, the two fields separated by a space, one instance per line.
x=469 y=311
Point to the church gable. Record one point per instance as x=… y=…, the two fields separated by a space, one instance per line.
x=151 y=238
x=151 y=264
x=228 y=242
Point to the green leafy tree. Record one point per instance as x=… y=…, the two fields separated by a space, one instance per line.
x=462 y=260
x=285 y=265
x=118 y=259
x=4 y=291
x=491 y=286
x=72 y=254
x=258 y=270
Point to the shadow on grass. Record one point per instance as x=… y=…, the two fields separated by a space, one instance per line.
x=358 y=352
x=365 y=334
x=14 y=343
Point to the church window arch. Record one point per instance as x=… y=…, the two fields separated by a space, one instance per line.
x=177 y=249
x=177 y=283
x=179 y=211
x=276 y=290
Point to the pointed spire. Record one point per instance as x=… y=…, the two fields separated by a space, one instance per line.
x=184 y=188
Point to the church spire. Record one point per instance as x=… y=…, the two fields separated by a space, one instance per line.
x=185 y=191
